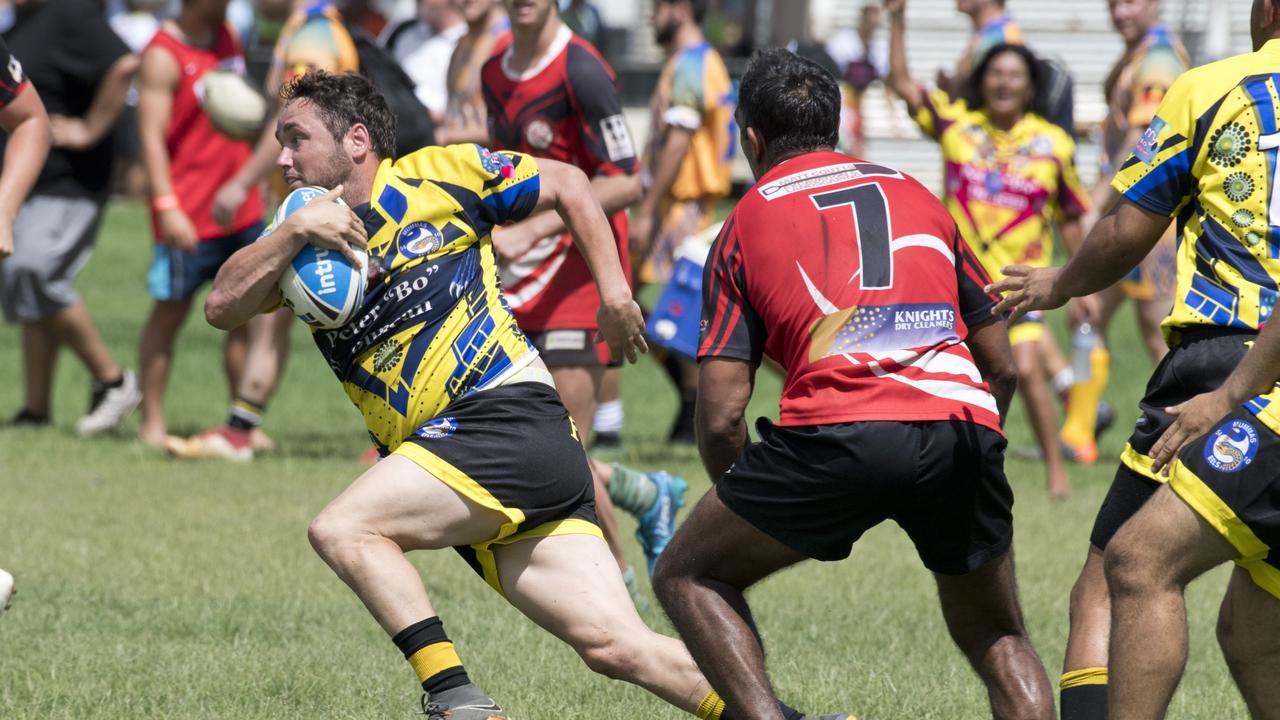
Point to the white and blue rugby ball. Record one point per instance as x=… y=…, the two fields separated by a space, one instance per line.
x=321 y=286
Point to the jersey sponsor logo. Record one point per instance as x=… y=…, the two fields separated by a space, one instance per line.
x=617 y=138
x=15 y=69
x=437 y=428
x=881 y=328
x=565 y=340
x=1149 y=145
x=539 y=134
x=822 y=177
x=1231 y=447
x=417 y=239
x=497 y=163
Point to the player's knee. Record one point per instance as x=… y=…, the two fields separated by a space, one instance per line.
x=612 y=657
x=1130 y=568
x=329 y=533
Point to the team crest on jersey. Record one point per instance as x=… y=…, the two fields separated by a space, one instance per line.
x=437 y=428
x=497 y=163
x=1149 y=144
x=418 y=238
x=1231 y=447
x=387 y=356
x=539 y=134
x=15 y=70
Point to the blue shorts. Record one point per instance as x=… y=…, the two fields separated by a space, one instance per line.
x=177 y=275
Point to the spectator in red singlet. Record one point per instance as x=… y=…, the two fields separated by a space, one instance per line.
x=187 y=162
x=853 y=278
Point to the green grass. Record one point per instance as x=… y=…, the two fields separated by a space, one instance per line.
x=153 y=589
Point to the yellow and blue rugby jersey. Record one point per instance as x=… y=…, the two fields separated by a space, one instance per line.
x=1209 y=158
x=436 y=327
x=695 y=92
x=1004 y=189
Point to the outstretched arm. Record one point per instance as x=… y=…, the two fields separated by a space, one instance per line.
x=899 y=79
x=28 y=127
x=1116 y=245
x=566 y=189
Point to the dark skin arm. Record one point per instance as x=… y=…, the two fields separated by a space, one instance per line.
x=724 y=389
x=1256 y=374
x=989 y=343
x=1115 y=246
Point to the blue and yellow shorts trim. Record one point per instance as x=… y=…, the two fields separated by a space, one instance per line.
x=1028 y=328
x=1231 y=478
x=511 y=449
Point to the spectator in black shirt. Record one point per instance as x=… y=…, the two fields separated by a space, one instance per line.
x=83 y=70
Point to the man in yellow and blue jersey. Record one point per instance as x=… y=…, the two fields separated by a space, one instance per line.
x=687 y=164
x=479 y=452
x=1207 y=160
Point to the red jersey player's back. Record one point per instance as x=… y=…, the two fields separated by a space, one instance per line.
x=566 y=108
x=853 y=277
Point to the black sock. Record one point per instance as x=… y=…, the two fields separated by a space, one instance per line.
x=245 y=415
x=432 y=656
x=1084 y=702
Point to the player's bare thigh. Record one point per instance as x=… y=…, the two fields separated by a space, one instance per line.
x=403 y=502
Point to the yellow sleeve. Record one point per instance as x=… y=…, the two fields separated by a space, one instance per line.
x=496 y=186
x=1157 y=176
x=937 y=112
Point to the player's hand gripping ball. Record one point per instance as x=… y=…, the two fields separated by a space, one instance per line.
x=321 y=286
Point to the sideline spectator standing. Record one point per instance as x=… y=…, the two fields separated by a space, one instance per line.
x=885 y=414
x=423 y=46
x=187 y=161
x=22 y=117
x=487 y=33
x=1010 y=177
x=314 y=37
x=687 y=163
x=1153 y=59
x=83 y=71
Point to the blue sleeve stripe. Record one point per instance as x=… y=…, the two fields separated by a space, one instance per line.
x=517 y=201
x=1163 y=188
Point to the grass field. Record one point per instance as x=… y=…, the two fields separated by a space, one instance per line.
x=153 y=589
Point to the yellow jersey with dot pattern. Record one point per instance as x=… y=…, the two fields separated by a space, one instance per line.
x=1209 y=159
x=435 y=326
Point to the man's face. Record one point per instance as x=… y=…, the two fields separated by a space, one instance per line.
x=309 y=154
x=529 y=14
x=666 y=21
x=1134 y=18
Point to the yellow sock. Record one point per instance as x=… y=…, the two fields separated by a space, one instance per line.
x=710 y=707
x=1082 y=407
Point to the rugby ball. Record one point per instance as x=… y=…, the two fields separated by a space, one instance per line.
x=234 y=107
x=321 y=286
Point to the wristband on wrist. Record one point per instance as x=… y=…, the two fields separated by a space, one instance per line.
x=164 y=202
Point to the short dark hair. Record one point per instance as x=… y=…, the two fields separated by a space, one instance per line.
x=1035 y=66
x=793 y=103
x=344 y=99
x=699 y=8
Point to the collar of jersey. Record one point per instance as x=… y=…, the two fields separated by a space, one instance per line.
x=561 y=41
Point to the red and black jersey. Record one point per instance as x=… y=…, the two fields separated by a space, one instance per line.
x=853 y=277
x=567 y=108
x=12 y=81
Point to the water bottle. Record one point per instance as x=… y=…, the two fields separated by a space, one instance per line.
x=1083 y=341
